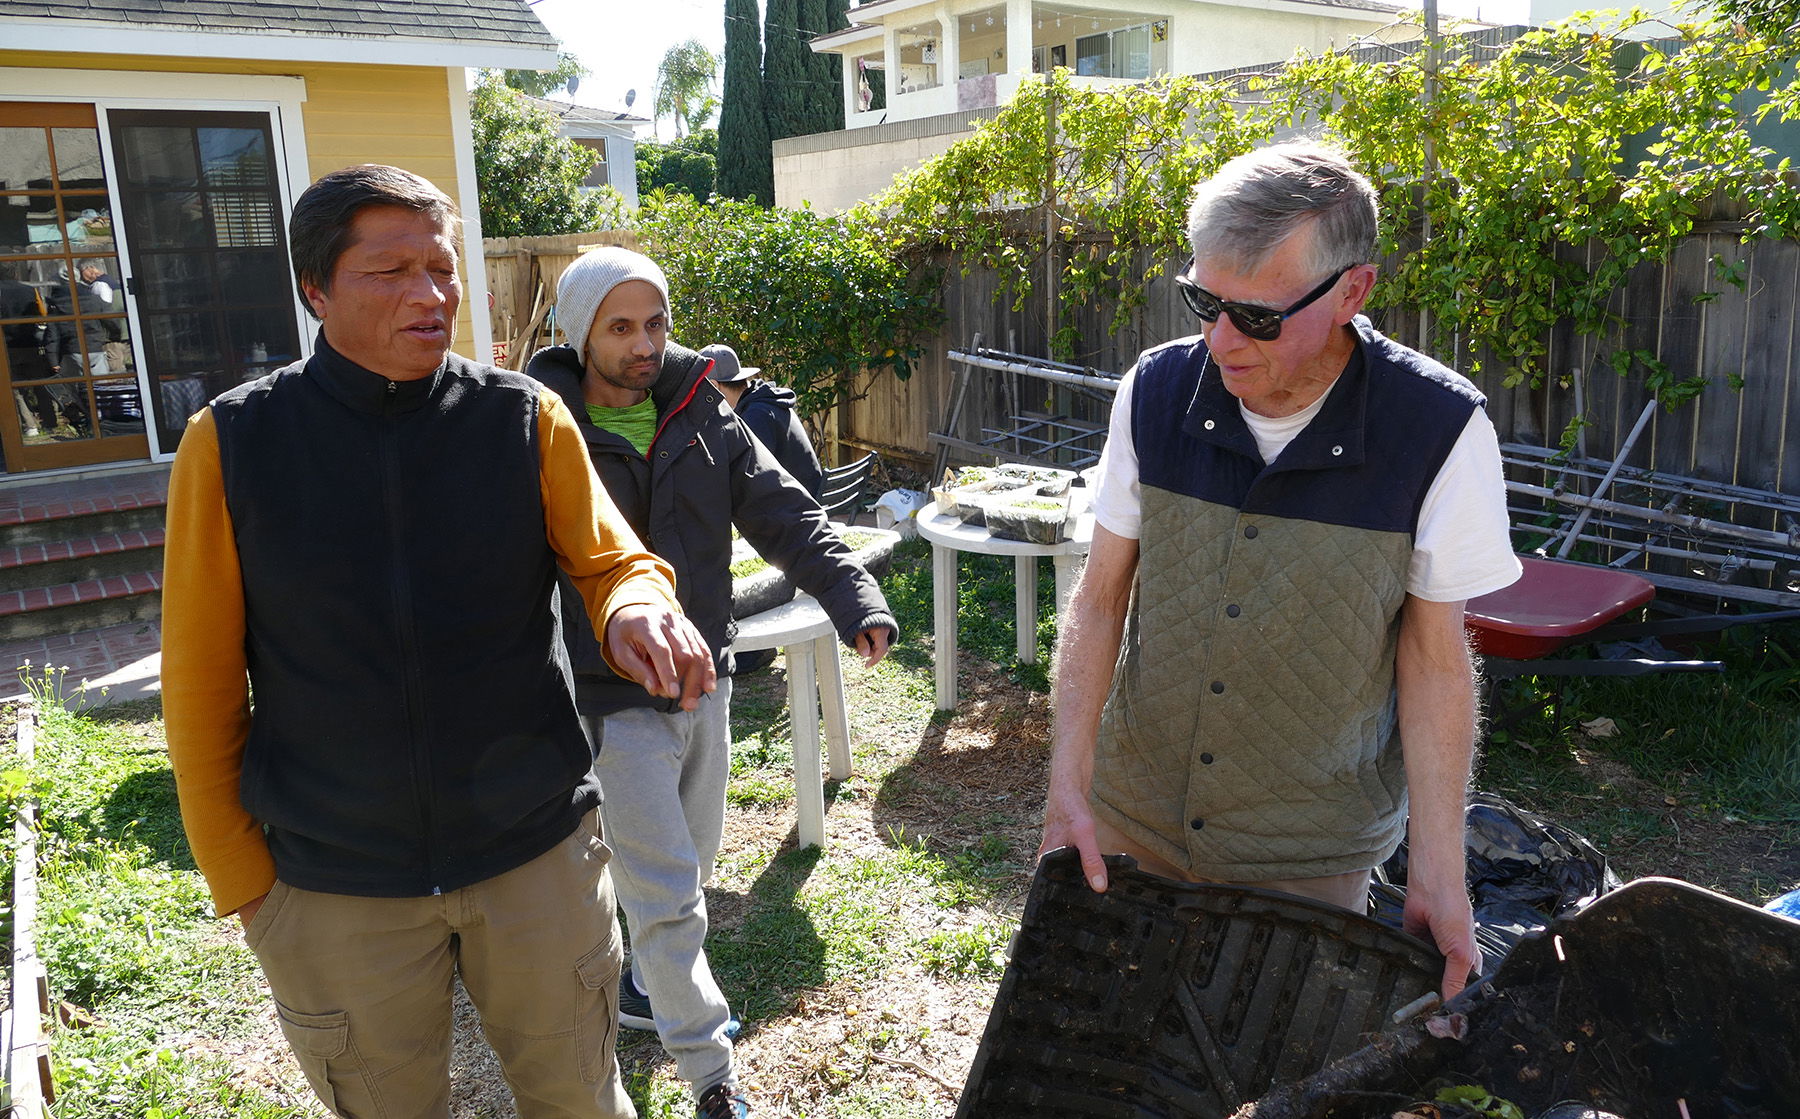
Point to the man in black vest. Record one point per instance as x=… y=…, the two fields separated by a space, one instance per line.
x=371 y=539
x=1291 y=512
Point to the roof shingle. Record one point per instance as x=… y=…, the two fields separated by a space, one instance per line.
x=494 y=21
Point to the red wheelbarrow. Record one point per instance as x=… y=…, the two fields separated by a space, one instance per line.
x=1558 y=603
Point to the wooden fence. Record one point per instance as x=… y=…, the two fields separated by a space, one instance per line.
x=1748 y=437
x=522 y=274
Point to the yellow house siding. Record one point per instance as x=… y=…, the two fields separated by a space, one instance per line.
x=398 y=115
x=353 y=114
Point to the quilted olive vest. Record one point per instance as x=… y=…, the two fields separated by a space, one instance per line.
x=1250 y=733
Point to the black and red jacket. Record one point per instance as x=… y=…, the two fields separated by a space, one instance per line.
x=704 y=473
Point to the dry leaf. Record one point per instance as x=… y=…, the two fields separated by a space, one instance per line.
x=1601 y=727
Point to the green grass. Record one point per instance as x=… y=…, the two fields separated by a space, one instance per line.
x=126 y=932
x=1729 y=743
x=984 y=628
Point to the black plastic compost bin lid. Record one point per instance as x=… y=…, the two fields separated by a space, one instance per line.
x=1159 y=998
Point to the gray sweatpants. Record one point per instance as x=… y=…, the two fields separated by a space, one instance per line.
x=663 y=776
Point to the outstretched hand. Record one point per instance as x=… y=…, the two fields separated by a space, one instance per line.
x=661 y=649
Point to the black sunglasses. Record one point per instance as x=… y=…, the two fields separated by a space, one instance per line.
x=1260 y=323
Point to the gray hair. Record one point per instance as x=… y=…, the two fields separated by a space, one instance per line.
x=1260 y=199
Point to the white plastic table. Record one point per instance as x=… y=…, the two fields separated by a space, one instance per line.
x=949 y=536
x=815 y=679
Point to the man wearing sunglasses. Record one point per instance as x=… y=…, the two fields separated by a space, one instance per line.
x=1263 y=677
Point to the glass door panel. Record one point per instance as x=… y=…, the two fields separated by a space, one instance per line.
x=208 y=249
x=68 y=388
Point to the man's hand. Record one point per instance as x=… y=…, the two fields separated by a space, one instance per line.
x=1092 y=627
x=1447 y=922
x=660 y=649
x=872 y=644
x=247 y=912
x=1068 y=822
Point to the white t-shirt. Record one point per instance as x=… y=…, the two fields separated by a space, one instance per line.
x=1463 y=546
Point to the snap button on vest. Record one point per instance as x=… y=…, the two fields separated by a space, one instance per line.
x=1196 y=823
x=1249 y=532
x=1337 y=450
x=1205 y=759
x=1233 y=610
x=1209 y=425
x=1218 y=687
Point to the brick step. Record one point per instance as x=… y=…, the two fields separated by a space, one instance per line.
x=64 y=521
x=87 y=604
x=24 y=566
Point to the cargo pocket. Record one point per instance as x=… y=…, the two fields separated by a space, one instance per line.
x=596 y=1011
x=319 y=1042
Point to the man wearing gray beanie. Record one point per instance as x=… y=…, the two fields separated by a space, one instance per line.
x=683 y=469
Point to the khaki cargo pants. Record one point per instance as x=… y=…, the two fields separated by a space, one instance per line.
x=362 y=987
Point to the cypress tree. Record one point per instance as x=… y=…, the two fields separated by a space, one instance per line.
x=837 y=17
x=746 y=161
x=786 y=75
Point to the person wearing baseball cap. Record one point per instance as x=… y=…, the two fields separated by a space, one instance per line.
x=768 y=410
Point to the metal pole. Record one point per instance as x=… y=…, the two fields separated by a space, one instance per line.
x=1049 y=214
x=1430 y=169
x=1587 y=511
x=1086 y=380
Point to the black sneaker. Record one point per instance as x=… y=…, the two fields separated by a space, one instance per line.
x=634 y=1009
x=721 y=1101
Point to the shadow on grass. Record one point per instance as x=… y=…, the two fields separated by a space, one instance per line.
x=972 y=793
x=776 y=950
x=144 y=810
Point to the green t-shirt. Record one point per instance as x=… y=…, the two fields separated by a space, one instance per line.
x=636 y=423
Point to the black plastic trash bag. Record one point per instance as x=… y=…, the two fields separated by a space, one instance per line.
x=1525 y=870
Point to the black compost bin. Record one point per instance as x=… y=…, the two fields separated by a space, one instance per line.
x=1161 y=999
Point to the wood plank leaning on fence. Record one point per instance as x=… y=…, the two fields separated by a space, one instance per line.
x=522 y=274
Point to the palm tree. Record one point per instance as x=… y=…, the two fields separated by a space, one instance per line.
x=684 y=85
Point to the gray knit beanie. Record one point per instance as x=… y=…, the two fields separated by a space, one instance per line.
x=585 y=284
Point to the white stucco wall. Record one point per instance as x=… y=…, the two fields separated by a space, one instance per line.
x=833 y=171
x=1203 y=36
x=621 y=166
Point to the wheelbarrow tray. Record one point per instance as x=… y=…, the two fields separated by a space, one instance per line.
x=1552 y=604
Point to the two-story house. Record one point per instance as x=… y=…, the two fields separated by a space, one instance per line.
x=919 y=75
x=609 y=133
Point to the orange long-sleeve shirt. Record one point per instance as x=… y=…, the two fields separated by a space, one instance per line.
x=206 y=701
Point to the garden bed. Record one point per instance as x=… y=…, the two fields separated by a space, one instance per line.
x=25 y=1075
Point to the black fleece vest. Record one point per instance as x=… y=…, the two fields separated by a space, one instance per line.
x=413 y=726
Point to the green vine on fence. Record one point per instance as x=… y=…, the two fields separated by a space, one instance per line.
x=1566 y=160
